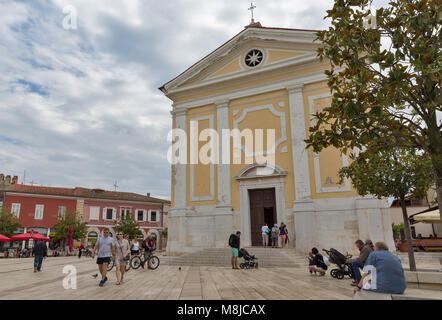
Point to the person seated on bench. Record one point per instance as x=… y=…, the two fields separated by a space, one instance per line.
x=359 y=262
x=387 y=274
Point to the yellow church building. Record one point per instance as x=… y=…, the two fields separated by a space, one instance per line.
x=263 y=78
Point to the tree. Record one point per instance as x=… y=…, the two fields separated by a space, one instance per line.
x=390 y=96
x=398 y=173
x=127 y=225
x=72 y=220
x=8 y=222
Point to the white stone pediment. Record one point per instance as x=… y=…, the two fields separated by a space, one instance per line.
x=258 y=170
x=280 y=47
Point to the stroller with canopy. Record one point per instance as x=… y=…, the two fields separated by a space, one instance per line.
x=337 y=258
x=249 y=260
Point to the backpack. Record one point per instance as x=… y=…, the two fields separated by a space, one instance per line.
x=231 y=240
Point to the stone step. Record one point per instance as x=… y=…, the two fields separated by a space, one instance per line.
x=267 y=257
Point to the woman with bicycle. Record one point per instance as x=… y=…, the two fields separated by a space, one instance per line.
x=122 y=254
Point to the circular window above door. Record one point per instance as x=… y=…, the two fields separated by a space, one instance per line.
x=253 y=58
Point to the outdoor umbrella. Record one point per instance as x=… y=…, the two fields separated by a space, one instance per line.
x=428 y=217
x=28 y=236
x=4 y=239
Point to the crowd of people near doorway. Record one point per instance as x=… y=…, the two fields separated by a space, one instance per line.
x=273 y=234
x=382 y=271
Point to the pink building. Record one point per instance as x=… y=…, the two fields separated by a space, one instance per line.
x=39 y=208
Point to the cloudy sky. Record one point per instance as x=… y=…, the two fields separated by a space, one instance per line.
x=80 y=107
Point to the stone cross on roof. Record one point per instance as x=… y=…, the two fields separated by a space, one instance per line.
x=252 y=7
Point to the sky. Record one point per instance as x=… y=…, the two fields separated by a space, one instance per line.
x=79 y=98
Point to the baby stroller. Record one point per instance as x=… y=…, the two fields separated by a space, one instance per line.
x=249 y=260
x=337 y=258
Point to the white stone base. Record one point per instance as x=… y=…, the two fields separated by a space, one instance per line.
x=321 y=223
x=338 y=223
x=194 y=228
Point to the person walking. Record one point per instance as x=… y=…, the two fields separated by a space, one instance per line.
x=283 y=234
x=234 y=242
x=105 y=247
x=40 y=252
x=265 y=235
x=122 y=255
x=274 y=236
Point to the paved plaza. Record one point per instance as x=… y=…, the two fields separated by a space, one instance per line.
x=18 y=281
x=167 y=282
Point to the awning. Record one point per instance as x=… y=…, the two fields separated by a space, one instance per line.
x=431 y=215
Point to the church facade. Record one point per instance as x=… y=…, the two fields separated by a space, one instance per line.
x=261 y=79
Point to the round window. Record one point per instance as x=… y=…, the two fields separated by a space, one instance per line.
x=253 y=58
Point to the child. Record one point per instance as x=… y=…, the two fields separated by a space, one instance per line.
x=310 y=261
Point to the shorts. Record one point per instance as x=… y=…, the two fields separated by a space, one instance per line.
x=283 y=236
x=234 y=252
x=134 y=252
x=120 y=262
x=274 y=239
x=265 y=237
x=103 y=260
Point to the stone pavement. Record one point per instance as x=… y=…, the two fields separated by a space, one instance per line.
x=18 y=281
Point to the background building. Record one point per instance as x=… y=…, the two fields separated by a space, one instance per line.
x=39 y=208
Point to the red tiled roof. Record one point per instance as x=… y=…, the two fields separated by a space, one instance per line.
x=82 y=193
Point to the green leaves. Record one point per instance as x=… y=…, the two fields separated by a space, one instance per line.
x=74 y=221
x=128 y=225
x=383 y=95
x=396 y=172
x=8 y=223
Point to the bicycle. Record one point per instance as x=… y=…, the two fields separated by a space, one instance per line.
x=140 y=260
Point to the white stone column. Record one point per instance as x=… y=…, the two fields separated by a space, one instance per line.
x=300 y=155
x=180 y=169
x=222 y=114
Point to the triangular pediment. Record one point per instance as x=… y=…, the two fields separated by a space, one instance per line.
x=254 y=50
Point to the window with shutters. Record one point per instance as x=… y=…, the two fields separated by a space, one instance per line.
x=140 y=215
x=39 y=208
x=125 y=212
x=153 y=216
x=61 y=212
x=15 y=209
x=94 y=213
x=109 y=213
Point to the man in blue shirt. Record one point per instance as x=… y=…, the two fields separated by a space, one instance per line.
x=387 y=274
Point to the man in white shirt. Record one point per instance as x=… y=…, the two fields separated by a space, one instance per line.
x=105 y=247
x=265 y=235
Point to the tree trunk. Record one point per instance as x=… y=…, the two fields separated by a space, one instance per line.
x=411 y=260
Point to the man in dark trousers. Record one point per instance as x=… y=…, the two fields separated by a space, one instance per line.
x=234 y=247
x=359 y=262
x=40 y=251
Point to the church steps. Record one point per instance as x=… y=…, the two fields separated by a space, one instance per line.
x=267 y=257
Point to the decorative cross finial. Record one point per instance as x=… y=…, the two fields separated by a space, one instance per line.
x=115 y=185
x=252 y=7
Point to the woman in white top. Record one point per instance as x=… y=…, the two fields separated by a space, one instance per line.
x=134 y=247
